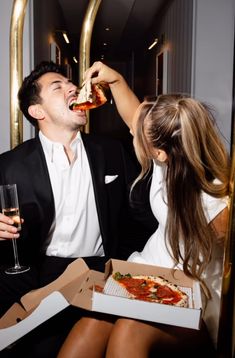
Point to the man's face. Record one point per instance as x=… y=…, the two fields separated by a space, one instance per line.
x=57 y=93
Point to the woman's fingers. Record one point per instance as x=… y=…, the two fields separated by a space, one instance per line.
x=99 y=72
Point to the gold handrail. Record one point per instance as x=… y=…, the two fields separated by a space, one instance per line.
x=16 y=70
x=16 y=128
x=85 y=43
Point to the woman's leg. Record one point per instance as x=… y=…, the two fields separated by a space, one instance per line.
x=87 y=338
x=130 y=338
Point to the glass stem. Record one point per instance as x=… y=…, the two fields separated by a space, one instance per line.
x=17 y=265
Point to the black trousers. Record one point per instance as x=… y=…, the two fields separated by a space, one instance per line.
x=51 y=267
x=45 y=340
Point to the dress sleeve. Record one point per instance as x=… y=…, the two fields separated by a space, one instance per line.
x=213 y=206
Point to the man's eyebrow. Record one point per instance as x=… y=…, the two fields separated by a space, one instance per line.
x=55 y=82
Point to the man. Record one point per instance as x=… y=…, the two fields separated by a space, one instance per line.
x=72 y=188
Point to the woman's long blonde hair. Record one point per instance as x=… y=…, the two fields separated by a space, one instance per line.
x=185 y=129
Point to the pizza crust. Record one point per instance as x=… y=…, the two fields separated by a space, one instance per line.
x=118 y=288
x=85 y=94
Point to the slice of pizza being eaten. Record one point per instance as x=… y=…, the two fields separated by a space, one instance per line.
x=90 y=96
x=146 y=288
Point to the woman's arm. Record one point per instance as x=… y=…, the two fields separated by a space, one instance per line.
x=125 y=99
x=220 y=224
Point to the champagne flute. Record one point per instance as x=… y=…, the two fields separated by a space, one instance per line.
x=10 y=208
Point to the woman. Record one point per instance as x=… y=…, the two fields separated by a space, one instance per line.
x=174 y=137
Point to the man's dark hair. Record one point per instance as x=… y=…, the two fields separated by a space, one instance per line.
x=29 y=92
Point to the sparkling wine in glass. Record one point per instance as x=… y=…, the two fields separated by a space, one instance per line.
x=10 y=208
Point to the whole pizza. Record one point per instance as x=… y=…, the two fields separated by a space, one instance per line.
x=146 y=288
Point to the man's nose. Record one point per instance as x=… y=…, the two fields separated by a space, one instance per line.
x=73 y=88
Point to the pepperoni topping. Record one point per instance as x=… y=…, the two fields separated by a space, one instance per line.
x=149 y=290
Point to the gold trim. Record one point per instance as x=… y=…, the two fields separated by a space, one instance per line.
x=231 y=227
x=16 y=70
x=226 y=334
x=85 y=43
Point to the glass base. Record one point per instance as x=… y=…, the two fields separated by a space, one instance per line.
x=17 y=269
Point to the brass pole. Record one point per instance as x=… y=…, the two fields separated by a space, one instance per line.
x=85 y=42
x=16 y=70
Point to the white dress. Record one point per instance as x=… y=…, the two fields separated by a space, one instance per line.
x=156 y=253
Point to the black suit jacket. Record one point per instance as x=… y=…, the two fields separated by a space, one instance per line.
x=26 y=166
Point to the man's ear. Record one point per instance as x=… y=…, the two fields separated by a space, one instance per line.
x=35 y=111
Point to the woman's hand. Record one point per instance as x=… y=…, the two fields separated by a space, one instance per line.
x=125 y=99
x=99 y=72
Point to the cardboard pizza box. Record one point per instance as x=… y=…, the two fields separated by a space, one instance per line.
x=77 y=286
x=41 y=304
x=151 y=311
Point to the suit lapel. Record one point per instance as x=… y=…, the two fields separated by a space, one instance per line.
x=37 y=168
x=96 y=160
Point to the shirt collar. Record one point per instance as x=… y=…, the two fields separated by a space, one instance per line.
x=50 y=146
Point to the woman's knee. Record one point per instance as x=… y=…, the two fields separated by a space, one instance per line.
x=125 y=328
x=87 y=338
x=129 y=338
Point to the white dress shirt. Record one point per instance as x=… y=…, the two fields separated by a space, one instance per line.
x=75 y=231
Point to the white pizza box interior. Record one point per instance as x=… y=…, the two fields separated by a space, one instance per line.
x=77 y=287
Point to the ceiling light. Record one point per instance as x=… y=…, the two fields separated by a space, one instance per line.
x=153 y=44
x=75 y=60
x=65 y=37
x=107 y=29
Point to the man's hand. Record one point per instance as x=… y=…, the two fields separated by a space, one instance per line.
x=7 y=230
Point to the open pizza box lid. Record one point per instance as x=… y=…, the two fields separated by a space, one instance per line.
x=39 y=305
x=77 y=287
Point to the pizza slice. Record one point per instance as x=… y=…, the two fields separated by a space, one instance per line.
x=146 y=288
x=90 y=96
